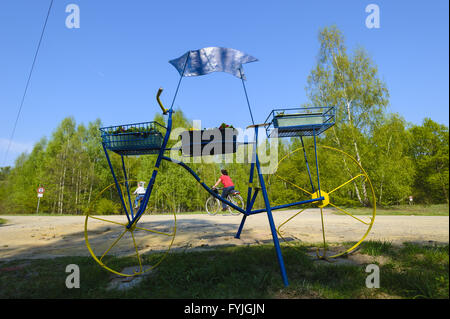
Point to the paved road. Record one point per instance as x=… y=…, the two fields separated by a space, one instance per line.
x=49 y=236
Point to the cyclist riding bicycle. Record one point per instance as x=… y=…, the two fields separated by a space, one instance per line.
x=139 y=192
x=228 y=186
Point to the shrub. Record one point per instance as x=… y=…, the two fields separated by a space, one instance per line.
x=107 y=207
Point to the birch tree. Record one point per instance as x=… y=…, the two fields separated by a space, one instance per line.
x=350 y=82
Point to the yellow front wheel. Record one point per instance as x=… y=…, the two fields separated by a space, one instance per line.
x=122 y=250
x=344 y=218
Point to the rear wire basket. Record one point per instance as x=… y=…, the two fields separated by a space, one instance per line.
x=134 y=139
x=308 y=121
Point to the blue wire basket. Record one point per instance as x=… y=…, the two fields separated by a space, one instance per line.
x=134 y=139
x=307 y=121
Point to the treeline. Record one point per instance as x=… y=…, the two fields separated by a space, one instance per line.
x=401 y=159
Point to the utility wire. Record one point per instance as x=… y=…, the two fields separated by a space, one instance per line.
x=28 y=82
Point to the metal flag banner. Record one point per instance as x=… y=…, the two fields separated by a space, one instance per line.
x=212 y=59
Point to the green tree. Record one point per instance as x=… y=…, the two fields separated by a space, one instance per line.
x=429 y=149
x=391 y=168
x=24 y=179
x=5 y=173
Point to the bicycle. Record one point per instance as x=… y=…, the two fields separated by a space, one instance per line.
x=329 y=188
x=213 y=204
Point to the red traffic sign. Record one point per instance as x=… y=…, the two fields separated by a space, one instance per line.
x=41 y=190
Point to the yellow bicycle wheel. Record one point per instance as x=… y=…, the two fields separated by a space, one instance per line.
x=115 y=247
x=344 y=218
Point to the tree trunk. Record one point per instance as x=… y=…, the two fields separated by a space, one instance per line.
x=382 y=177
x=348 y=103
x=347 y=169
x=74 y=176
x=59 y=190
x=90 y=192
x=61 y=202
x=358 y=158
x=363 y=185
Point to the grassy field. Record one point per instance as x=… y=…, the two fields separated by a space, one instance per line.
x=415 y=210
x=409 y=271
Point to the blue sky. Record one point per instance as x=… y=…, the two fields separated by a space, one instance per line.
x=112 y=66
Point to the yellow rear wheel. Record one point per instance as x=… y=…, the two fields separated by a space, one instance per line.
x=343 y=218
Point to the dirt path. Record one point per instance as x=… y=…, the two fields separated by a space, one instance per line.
x=24 y=237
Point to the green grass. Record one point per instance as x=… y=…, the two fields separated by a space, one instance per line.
x=375 y=247
x=415 y=210
x=2 y=221
x=411 y=271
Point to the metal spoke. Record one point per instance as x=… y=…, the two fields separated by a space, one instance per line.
x=155 y=231
x=137 y=254
x=294 y=185
x=323 y=229
x=346 y=183
x=347 y=213
x=113 y=244
x=291 y=218
x=324 y=256
x=278 y=229
x=108 y=221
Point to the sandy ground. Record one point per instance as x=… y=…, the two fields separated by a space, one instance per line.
x=24 y=237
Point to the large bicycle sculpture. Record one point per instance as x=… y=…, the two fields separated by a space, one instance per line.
x=295 y=176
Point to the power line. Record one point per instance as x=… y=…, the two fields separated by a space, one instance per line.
x=28 y=82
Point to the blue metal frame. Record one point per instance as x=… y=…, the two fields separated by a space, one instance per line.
x=307 y=165
x=251 y=194
x=116 y=182
x=155 y=146
x=127 y=187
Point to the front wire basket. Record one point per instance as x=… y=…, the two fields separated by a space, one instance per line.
x=134 y=139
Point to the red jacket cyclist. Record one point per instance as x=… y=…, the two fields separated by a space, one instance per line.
x=228 y=186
